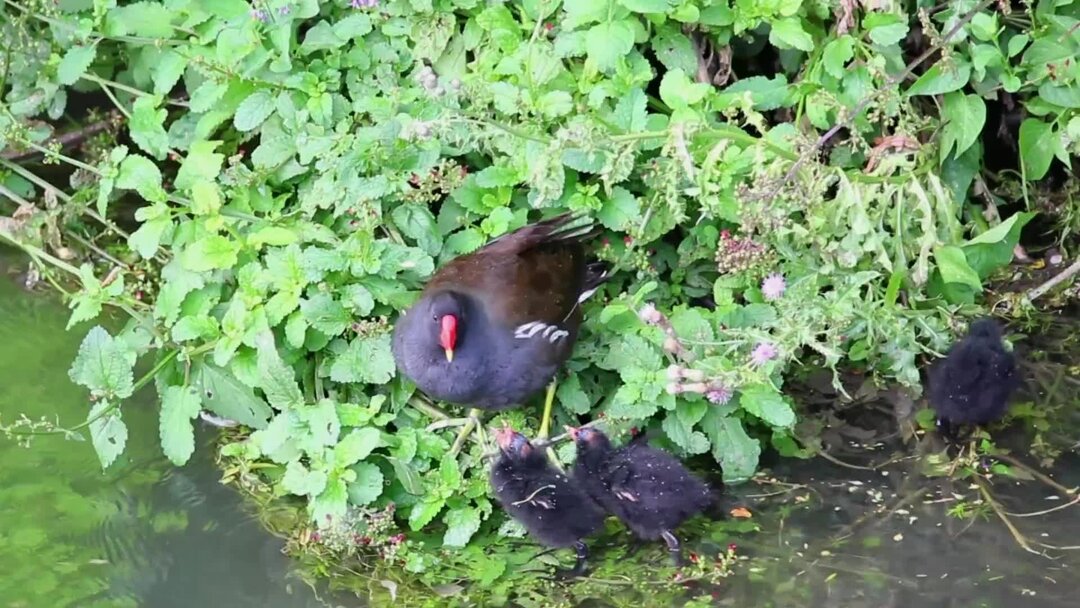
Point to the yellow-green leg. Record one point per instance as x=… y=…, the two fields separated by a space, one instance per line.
x=463 y=434
x=545 y=423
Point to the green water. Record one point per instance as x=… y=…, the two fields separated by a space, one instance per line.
x=143 y=533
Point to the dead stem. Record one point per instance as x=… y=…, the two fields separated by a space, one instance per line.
x=1072 y=502
x=837 y=461
x=1017 y=535
x=1054 y=281
x=1036 y=474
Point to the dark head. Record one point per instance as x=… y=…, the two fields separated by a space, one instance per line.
x=447 y=312
x=513 y=444
x=986 y=328
x=588 y=439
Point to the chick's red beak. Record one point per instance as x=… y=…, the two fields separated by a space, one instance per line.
x=572 y=431
x=503 y=436
x=448 y=335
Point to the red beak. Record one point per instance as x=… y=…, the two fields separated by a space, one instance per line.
x=504 y=435
x=448 y=335
x=572 y=431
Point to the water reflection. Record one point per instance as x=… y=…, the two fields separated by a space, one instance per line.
x=142 y=534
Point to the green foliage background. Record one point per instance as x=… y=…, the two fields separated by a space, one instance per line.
x=296 y=170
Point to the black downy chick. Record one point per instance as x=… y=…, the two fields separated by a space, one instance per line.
x=648 y=489
x=552 y=508
x=972 y=384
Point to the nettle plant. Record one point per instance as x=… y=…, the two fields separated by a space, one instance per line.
x=298 y=169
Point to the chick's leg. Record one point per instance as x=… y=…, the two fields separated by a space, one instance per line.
x=674 y=548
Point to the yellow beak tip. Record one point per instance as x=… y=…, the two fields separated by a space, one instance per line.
x=449 y=355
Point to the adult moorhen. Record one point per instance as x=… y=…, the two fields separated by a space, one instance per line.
x=972 y=384
x=492 y=327
x=554 y=510
x=648 y=489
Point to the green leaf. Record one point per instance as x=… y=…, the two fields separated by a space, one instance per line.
x=788 y=33
x=325 y=314
x=646 y=6
x=357 y=445
x=167 y=71
x=407 y=476
x=938 y=80
x=75 y=63
x=423 y=512
x=200 y=164
x=179 y=406
x=461 y=525
x=210 y=253
x=766 y=403
x=367 y=360
x=964 y=117
x=620 y=211
x=368 y=485
x=954 y=267
x=836 y=54
x=276 y=379
x=554 y=104
x=630 y=111
x=205 y=198
x=147 y=127
x=149 y=19
x=255 y=109
x=677 y=90
x=608 y=42
x=993 y=249
x=140 y=174
x=691 y=441
x=301 y=481
x=572 y=398
x=1036 y=153
x=1067 y=96
x=108 y=433
x=736 y=451
x=885 y=28
x=104 y=365
x=226 y=396
x=204 y=98
x=332 y=504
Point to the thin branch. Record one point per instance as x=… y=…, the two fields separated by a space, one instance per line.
x=1045 y=511
x=1019 y=536
x=1054 y=281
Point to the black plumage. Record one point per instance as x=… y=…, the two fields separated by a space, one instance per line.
x=552 y=508
x=974 y=381
x=648 y=489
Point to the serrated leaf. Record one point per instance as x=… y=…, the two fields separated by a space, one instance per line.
x=200 y=164
x=167 y=71
x=149 y=19
x=423 y=512
x=147 y=127
x=766 y=403
x=836 y=54
x=461 y=525
x=608 y=42
x=619 y=211
x=677 y=90
x=210 y=253
x=368 y=359
x=179 y=406
x=104 y=365
x=788 y=33
x=206 y=96
x=325 y=314
x=255 y=109
x=332 y=504
x=407 y=476
x=735 y=451
x=630 y=111
x=276 y=379
x=140 y=174
x=368 y=485
x=108 y=433
x=357 y=445
x=75 y=63
x=572 y=398
x=646 y=6
x=682 y=435
x=224 y=395
x=301 y=481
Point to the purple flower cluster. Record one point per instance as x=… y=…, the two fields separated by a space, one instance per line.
x=364 y=3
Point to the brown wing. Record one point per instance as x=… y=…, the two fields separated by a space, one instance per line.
x=535 y=273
